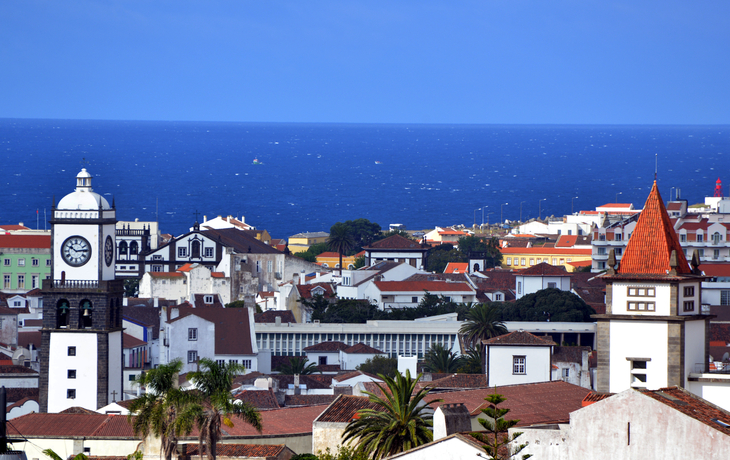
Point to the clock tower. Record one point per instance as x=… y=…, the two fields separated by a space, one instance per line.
x=81 y=348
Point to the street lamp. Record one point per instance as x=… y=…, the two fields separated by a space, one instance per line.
x=501 y=214
x=475 y=216
x=539 y=207
x=483 y=207
x=571 y=204
x=670 y=193
x=521 y=211
x=619 y=193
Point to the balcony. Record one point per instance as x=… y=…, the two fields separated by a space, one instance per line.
x=83 y=285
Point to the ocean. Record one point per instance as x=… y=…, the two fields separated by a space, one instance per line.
x=313 y=175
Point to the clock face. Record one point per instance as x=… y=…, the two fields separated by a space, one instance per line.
x=108 y=251
x=76 y=251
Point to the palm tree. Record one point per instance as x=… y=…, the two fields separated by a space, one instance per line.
x=472 y=361
x=399 y=423
x=440 y=359
x=54 y=456
x=298 y=365
x=482 y=322
x=340 y=240
x=156 y=411
x=214 y=405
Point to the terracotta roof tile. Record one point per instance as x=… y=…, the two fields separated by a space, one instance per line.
x=25 y=241
x=331 y=346
x=543 y=269
x=129 y=341
x=166 y=275
x=287 y=316
x=460 y=381
x=361 y=348
x=518 y=338
x=457 y=267
x=693 y=406
x=277 y=422
x=260 y=399
x=239 y=450
x=652 y=242
x=344 y=408
x=232 y=328
x=396 y=242
x=308 y=400
x=420 y=286
x=71 y=424
x=353 y=374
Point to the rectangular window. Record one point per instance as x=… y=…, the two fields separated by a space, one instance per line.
x=700 y=237
x=182 y=252
x=157 y=257
x=48 y=262
x=157 y=268
x=322 y=361
x=258 y=266
x=132 y=377
x=6 y=281
x=246 y=363
x=6 y=262
x=689 y=291
x=498 y=297
x=34 y=262
x=233 y=361
x=566 y=373
x=601 y=251
x=689 y=305
x=522 y=261
x=518 y=365
x=715 y=254
x=34 y=281
x=619 y=251
x=21 y=262
x=414 y=299
x=724 y=297
x=555 y=260
x=21 y=281
x=638 y=373
x=72 y=373
x=532 y=261
x=270 y=266
x=702 y=253
x=617 y=236
x=208 y=299
x=682 y=237
x=192 y=333
x=519 y=287
x=220 y=362
x=208 y=252
x=641 y=306
x=552 y=285
x=509 y=260
x=192 y=356
x=641 y=292
x=71 y=394
x=71 y=351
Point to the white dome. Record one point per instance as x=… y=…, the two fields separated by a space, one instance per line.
x=84 y=197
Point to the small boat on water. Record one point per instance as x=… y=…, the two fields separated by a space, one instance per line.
x=377 y=162
x=256 y=161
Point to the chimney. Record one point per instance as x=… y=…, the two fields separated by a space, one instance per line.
x=277 y=321
x=449 y=419
x=156 y=302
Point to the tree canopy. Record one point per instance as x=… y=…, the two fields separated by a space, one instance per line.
x=548 y=305
x=380 y=365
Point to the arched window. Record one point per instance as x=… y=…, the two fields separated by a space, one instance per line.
x=716 y=238
x=133 y=248
x=62 y=313
x=123 y=248
x=476 y=268
x=85 y=314
x=195 y=250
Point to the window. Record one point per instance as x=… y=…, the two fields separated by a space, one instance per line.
x=724 y=297
x=619 y=251
x=518 y=365
x=48 y=262
x=617 y=237
x=34 y=281
x=715 y=254
x=21 y=262
x=208 y=299
x=157 y=257
x=716 y=238
x=566 y=373
x=532 y=261
x=123 y=248
x=689 y=305
x=21 y=281
x=641 y=292
x=641 y=306
x=638 y=372
x=701 y=252
x=601 y=265
x=414 y=299
x=447 y=298
x=72 y=373
x=157 y=268
x=689 y=291
x=519 y=287
x=270 y=266
x=182 y=252
x=208 y=252
x=34 y=262
x=498 y=297
x=246 y=363
x=682 y=237
x=522 y=261
x=700 y=237
x=6 y=281
x=6 y=262
x=552 y=285
x=322 y=361
x=193 y=333
x=220 y=362
x=71 y=393
x=192 y=356
x=509 y=260
x=132 y=377
x=195 y=250
x=258 y=266
x=601 y=251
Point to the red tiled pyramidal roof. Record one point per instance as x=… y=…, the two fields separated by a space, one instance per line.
x=652 y=242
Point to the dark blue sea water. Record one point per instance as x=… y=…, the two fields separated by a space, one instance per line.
x=314 y=175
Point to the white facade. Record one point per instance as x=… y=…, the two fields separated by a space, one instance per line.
x=532 y=284
x=72 y=351
x=516 y=364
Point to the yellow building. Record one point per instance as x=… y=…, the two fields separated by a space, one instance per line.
x=302 y=241
x=527 y=257
x=332 y=260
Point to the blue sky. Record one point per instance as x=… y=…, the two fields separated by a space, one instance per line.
x=507 y=61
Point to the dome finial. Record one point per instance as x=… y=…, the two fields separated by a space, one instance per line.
x=83 y=181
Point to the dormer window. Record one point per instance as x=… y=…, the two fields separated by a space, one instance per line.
x=208 y=299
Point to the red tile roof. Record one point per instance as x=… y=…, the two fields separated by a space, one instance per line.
x=277 y=422
x=13 y=227
x=361 y=348
x=652 y=242
x=353 y=374
x=305 y=290
x=71 y=425
x=287 y=316
x=420 y=286
x=544 y=250
x=331 y=346
x=543 y=269
x=308 y=400
x=566 y=241
x=715 y=269
x=329 y=255
x=692 y=406
x=129 y=341
x=344 y=408
x=457 y=267
x=185 y=268
x=518 y=338
x=397 y=242
x=260 y=399
x=217 y=275
x=25 y=241
x=239 y=450
x=459 y=381
x=166 y=275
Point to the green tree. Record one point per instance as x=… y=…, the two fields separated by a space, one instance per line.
x=54 y=456
x=359 y=262
x=342 y=453
x=131 y=287
x=400 y=422
x=440 y=359
x=473 y=243
x=440 y=256
x=380 y=365
x=156 y=411
x=402 y=233
x=341 y=240
x=473 y=361
x=214 y=405
x=236 y=304
x=497 y=439
x=306 y=255
x=347 y=311
x=483 y=322
x=318 y=248
x=548 y=305
x=364 y=232
x=298 y=365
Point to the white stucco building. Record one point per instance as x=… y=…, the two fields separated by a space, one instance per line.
x=517 y=357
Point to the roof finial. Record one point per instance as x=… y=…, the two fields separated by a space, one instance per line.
x=656 y=165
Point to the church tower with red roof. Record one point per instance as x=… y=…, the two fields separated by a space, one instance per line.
x=654 y=332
